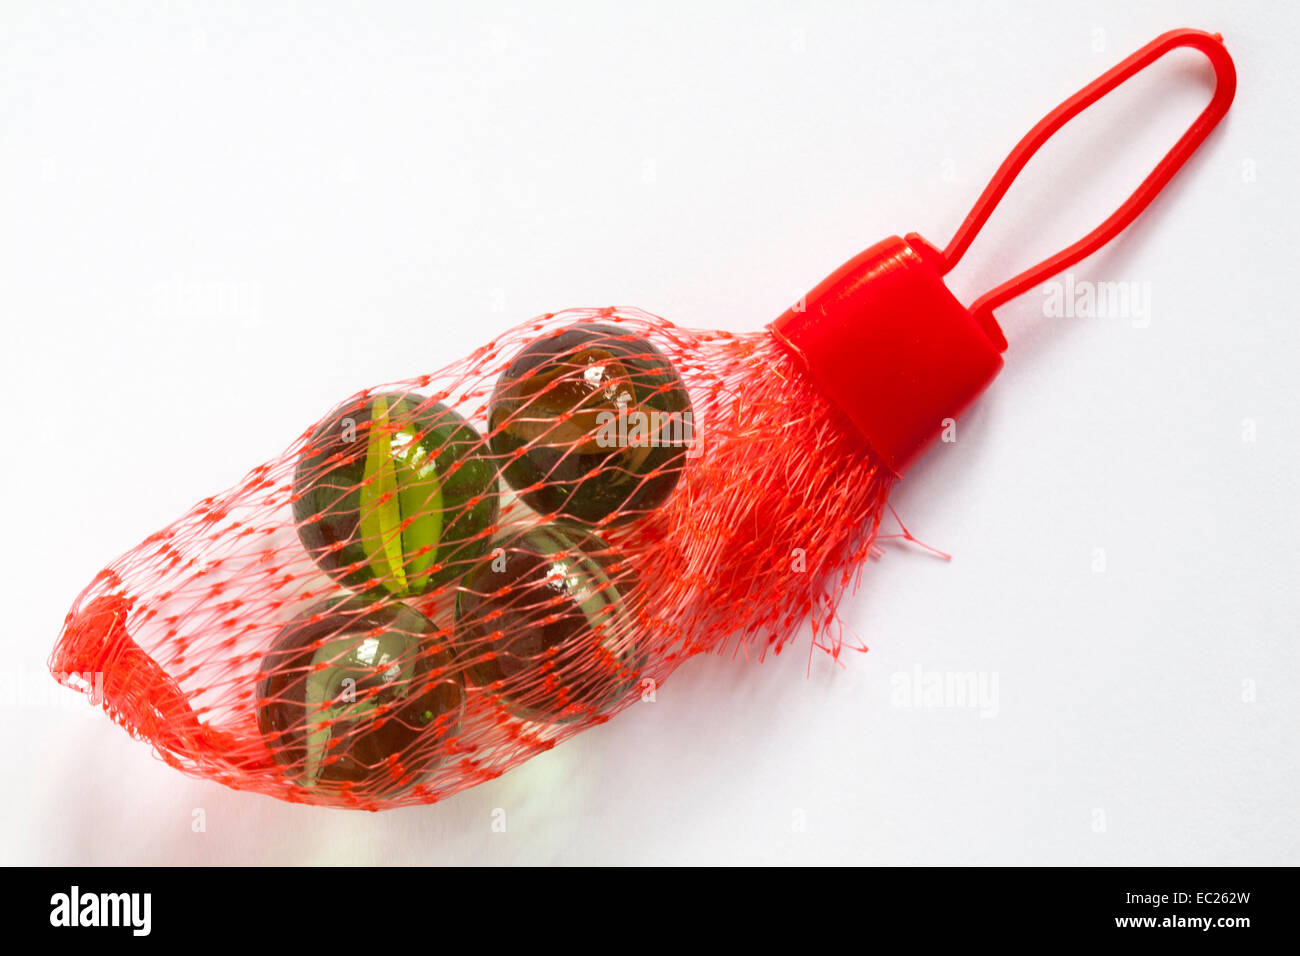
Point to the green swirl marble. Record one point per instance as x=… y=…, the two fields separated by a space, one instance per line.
x=395 y=492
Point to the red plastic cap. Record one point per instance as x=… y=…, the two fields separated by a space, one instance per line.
x=892 y=348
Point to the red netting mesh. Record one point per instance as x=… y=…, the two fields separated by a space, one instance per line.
x=447 y=575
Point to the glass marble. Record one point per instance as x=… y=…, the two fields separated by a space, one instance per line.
x=358 y=696
x=544 y=625
x=591 y=424
x=395 y=494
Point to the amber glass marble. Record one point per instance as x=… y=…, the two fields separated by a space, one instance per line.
x=359 y=696
x=591 y=424
x=544 y=625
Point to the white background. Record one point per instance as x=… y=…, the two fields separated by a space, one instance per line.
x=217 y=220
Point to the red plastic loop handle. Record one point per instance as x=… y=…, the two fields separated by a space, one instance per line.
x=1211 y=44
x=884 y=338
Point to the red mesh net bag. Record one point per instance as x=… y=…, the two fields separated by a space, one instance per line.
x=449 y=574
x=446 y=575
